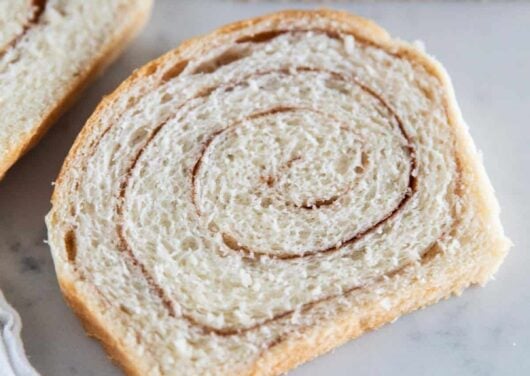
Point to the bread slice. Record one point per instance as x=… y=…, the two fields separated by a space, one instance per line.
x=264 y=193
x=49 y=50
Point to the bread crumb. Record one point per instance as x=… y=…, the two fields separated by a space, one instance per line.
x=349 y=44
x=419 y=44
x=386 y=304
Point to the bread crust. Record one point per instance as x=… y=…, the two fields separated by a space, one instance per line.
x=320 y=340
x=314 y=341
x=94 y=328
x=101 y=61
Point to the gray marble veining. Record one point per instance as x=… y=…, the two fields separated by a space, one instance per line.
x=484 y=46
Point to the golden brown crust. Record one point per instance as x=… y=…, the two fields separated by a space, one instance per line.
x=292 y=351
x=105 y=57
x=95 y=329
x=316 y=341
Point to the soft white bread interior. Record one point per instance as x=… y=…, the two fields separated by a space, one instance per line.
x=49 y=49
x=262 y=194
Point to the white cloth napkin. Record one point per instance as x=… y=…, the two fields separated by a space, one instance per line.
x=13 y=361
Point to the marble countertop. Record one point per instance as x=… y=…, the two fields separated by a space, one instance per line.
x=485 y=48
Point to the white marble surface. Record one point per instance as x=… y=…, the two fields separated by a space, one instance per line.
x=486 y=49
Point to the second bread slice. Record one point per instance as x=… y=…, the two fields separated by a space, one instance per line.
x=49 y=50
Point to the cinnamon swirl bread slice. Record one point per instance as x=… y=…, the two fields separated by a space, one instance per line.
x=49 y=50
x=262 y=194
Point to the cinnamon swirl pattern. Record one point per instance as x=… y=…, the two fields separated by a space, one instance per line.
x=246 y=188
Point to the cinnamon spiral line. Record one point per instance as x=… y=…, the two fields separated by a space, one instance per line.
x=125 y=247
x=406 y=196
x=38 y=7
x=248 y=254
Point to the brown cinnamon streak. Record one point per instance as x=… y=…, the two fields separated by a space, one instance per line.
x=406 y=196
x=38 y=7
x=318 y=203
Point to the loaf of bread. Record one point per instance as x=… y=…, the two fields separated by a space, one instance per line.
x=264 y=193
x=49 y=50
